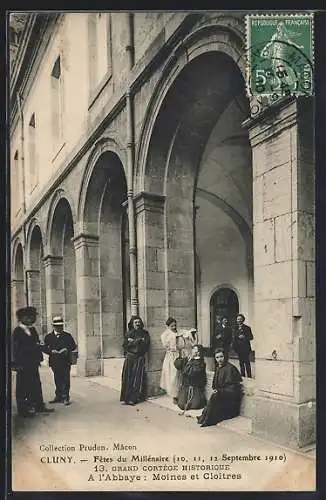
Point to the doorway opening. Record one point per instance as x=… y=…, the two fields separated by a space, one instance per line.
x=224 y=302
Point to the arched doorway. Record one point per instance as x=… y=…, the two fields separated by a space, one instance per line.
x=224 y=302
x=104 y=216
x=36 y=280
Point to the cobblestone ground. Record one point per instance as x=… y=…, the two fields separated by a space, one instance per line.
x=96 y=419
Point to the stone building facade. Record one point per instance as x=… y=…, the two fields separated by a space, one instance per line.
x=140 y=183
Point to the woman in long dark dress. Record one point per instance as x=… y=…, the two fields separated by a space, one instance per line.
x=191 y=394
x=134 y=376
x=225 y=400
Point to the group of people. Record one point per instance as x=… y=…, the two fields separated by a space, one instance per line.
x=27 y=356
x=183 y=375
x=237 y=337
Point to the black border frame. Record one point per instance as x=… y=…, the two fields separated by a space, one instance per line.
x=5 y=378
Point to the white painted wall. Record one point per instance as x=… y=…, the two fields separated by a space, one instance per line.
x=222 y=254
x=221 y=247
x=70 y=42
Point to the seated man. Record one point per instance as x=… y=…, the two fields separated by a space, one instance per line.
x=191 y=394
x=225 y=401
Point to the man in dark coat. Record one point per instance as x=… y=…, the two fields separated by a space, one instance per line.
x=225 y=400
x=59 y=345
x=26 y=359
x=242 y=335
x=223 y=337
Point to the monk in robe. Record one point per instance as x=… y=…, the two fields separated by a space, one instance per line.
x=134 y=376
x=193 y=380
x=225 y=400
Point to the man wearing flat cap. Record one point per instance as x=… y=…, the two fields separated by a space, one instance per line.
x=59 y=345
x=26 y=358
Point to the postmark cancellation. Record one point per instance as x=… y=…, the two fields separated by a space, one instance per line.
x=280 y=54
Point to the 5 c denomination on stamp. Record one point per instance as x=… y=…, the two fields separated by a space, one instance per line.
x=280 y=50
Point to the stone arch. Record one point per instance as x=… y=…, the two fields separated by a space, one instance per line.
x=237 y=218
x=104 y=231
x=224 y=285
x=18 y=298
x=60 y=262
x=60 y=208
x=35 y=275
x=203 y=89
x=225 y=37
x=103 y=145
x=34 y=223
x=59 y=195
x=17 y=258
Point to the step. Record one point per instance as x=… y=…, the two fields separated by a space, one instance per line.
x=239 y=424
x=112 y=367
x=247 y=405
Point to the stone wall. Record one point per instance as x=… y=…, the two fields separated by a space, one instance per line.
x=282 y=144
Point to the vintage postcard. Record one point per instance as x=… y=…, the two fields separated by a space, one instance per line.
x=162 y=172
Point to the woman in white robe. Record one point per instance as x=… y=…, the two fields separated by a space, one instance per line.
x=173 y=344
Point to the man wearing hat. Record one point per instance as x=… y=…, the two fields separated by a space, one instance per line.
x=59 y=345
x=26 y=359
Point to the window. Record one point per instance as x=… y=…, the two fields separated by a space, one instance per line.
x=100 y=47
x=15 y=184
x=57 y=104
x=32 y=154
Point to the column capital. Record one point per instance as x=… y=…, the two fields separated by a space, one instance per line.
x=274 y=118
x=32 y=271
x=151 y=202
x=52 y=260
x=85 y=239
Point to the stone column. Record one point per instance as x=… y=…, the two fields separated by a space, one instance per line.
x=88 y=305
x=54 y=284
x=33 y=277
x=284 y=267
x=151 y=257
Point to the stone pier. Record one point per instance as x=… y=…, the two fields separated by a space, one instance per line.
x=152 y=278
x=284 y=267
x=33 y=277
x=89 y=305
x=54 y=285
x=18 y=297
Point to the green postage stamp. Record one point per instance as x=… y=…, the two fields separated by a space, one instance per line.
x=280 y=50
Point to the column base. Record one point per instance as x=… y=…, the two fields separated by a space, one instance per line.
x=283 y=422
x=154 y=378
x=89 y=367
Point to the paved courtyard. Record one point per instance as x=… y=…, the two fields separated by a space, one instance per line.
x=106 y=446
